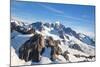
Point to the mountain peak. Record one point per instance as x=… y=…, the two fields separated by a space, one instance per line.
x=57 y=22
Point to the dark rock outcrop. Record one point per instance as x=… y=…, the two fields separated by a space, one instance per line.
x=65 y=54
x=55 y=49
x=32 y=48
x=76 y=46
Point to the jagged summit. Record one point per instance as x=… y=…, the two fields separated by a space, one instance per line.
x=57 y=22
x=57 y=28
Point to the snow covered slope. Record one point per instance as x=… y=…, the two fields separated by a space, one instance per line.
x=73 y=45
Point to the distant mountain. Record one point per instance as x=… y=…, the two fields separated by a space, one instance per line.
x=21 y=27
x=86 y=39
x=71 y=32
x=60 y=30
x=38 y=26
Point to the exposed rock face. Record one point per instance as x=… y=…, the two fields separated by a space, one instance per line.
x=23 y=29
x=55 y=49
x=32 y=48
x=58 y=26
x=76 y=46
x=37 y=25
x=61 y=34
x=65 y=54
x=86 y=39
x=47 y=25
x=35 y=46
x=50 y=42
x=69 y=31
x=87 y=57
x=12 y=26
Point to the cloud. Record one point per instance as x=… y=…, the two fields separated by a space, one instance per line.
x=62 y=14
x=52 y=9
x=74 y=18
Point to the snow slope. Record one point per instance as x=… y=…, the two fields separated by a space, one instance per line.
x=17 y=39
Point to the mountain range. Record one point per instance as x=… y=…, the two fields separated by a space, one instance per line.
x=78 y=46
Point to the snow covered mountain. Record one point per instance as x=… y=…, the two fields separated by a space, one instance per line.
x=76 y=47
x=86 y=39
x=62 y=30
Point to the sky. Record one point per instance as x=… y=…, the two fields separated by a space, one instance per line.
x=81 y=18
